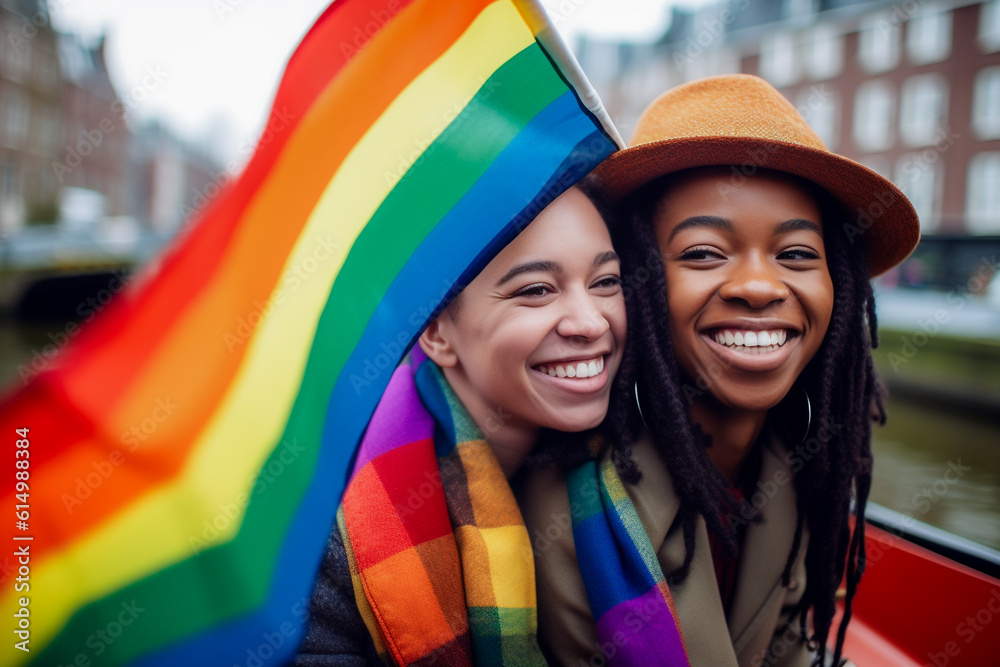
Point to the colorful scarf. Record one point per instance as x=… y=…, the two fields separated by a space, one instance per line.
x=636 y=619
x=439 y=553
x=440 y=556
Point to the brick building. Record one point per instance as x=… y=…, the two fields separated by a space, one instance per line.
x=94 y=151
x=910 y=88
x=30 y=115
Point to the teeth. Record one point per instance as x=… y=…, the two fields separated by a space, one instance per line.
x=755 y=342
x=582 y=369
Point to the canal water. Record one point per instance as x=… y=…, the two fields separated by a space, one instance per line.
x=940 y=467
x=937 y=466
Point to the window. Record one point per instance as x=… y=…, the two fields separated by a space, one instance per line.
x=989 y=26
x=824 y=55
x=14 y=113
x=46 y=130
x=820 y=106
x=778 y=63
x=982 y=194
x=711 y=63
x=986 y=104
x=874 y=107
x=917 y=175
x=7 y=179
x=879 y=164
x=878 y=42
x=47 y=68
x=928 y=35
x=798 y=8
x=923 y=109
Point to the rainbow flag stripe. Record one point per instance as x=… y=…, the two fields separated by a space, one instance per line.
x=189 y=449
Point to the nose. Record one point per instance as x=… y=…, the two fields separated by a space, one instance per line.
x=582 y=318
x=755 y=282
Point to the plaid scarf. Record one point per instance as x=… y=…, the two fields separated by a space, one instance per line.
x=628 y=594
x=440 y=558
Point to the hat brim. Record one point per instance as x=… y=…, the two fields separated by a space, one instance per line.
x=878 y=214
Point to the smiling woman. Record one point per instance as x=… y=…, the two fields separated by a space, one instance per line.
x=750 y=293
x=430 y=560
x=539 y=333
x=746 y=436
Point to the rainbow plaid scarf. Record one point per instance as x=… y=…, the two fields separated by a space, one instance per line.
x=439 y=554
x=628 y=594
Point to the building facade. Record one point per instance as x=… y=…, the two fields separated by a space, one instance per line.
x=94 y=151
x=30 y=114
x=63 y=125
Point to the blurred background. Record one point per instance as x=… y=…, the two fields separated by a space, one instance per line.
x=119 y=121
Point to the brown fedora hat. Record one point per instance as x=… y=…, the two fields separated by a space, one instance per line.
x=743 y=121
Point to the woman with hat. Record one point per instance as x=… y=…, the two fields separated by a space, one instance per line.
x=747 y=252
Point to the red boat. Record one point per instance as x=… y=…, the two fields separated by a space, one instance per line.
x=927 y=598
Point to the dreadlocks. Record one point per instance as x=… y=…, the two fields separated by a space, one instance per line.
x=832 y=463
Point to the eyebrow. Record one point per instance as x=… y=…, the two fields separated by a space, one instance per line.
x=710 y=221
x=605 y=257
x=796 y=224
x=726 y=225
x=552 y=267
x=529 y=267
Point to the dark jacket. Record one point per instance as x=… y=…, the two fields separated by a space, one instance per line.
x=336 y=634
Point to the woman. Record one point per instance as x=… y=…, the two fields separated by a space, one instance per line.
x=747 y=250
x=432 y=561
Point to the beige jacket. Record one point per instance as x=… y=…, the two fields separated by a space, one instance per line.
x=754 y=633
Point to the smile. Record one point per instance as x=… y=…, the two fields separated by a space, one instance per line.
x=584 y=368
x=751 y=342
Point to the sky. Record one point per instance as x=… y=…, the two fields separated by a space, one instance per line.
x=209 y=68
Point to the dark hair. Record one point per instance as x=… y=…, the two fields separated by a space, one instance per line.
x=840 y=379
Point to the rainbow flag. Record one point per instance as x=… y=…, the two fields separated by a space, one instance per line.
x=187 y=453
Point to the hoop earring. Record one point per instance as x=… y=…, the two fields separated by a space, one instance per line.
x=635 y=388
x=809 y=415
